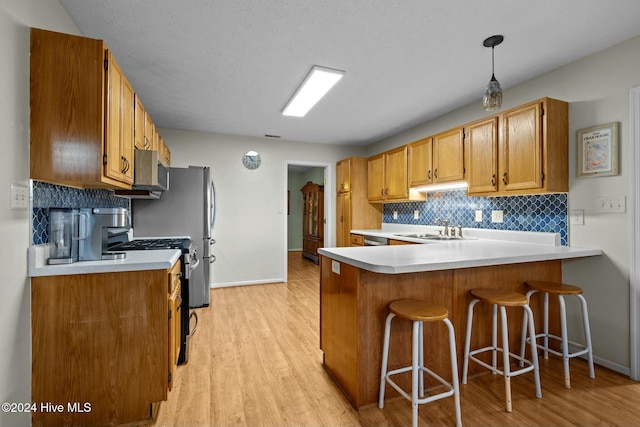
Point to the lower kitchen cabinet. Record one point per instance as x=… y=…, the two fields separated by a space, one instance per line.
x=102 y=346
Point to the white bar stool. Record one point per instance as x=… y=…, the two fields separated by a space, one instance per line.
x=419 y=312
x=500 y=298
x=561 y=289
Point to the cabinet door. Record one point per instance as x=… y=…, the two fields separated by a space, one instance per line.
x=420 y=162
x=521 y=164
x=175 y=308
x=343 y=176
x=396 y=174
x=482 y=150
x=375 y=178
x=343 y=211
x=127 y=143
x=139 y=117
x=448 y=156
x=149 y=133
x=113 y=130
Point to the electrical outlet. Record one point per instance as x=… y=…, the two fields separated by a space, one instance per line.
x=497 y=216
x=478 y=217
x=416 y=214
x=611 y=204
x=577 y=216
x=395 y=214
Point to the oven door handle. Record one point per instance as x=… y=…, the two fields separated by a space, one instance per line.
x=194 y=266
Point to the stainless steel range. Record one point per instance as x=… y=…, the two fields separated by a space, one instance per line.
x=190 y=263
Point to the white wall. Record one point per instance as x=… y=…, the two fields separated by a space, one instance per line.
x=597 y=89
x=15 y=335
x=250 y=228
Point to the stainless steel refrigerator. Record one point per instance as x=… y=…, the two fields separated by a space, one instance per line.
x=188 y=208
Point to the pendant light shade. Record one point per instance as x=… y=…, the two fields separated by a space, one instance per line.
x=492 y=99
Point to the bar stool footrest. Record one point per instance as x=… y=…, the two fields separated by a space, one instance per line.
x=428 y=371
x=541 y=347
x=530 y=367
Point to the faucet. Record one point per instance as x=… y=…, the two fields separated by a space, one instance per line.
x=446 y=225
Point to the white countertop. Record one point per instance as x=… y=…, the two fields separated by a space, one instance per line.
x=446 y=255
x=134 y=261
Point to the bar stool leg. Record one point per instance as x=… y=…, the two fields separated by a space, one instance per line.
x=587 y=335
x=505 y=357
x=546 y=325
x=494 y=337
x=454 y=370
x=565 y=341
x=385 y=357
x=525 y=323
x=415 y=358
x=534 y=351
x=467 y=341
x=421 y=357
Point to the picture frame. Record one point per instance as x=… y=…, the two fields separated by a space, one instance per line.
x=597 y=148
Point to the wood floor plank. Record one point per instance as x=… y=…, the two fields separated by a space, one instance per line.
x=255 y=361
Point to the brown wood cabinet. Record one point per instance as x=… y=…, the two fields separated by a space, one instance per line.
x=312 y=220
x=150 y=133
x=437 y=159
x=103 y=339
x=164 y=154
x=81 y=113
x=357 y=240
x=532 y=153
x=343 y=175
x=353 y=210
x=388 y=177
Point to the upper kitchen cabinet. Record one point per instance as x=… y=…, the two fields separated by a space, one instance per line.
x=421 y=162
x=532 y=155
x=437 y=159
x=482 y=152
x=448 y=156
x=164 y=154
x=343 y=175
x=388 y=177
x=82 y=113
x=144 y=128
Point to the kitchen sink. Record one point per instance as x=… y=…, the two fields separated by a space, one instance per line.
x=427 y=236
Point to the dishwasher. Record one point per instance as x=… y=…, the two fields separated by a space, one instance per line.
x=375 y=241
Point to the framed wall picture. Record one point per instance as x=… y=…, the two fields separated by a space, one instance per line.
x=598 y=150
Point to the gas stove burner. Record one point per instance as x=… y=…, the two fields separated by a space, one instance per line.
x=151 y=244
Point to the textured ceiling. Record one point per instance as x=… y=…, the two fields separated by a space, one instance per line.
x=229 y=66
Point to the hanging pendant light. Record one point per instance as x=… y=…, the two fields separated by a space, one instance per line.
x=492 y=99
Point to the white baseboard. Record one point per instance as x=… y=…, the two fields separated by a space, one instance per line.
x=621 y=369
x=245 y=283
x=294 y=250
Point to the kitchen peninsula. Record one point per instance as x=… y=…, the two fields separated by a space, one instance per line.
x=358 y=283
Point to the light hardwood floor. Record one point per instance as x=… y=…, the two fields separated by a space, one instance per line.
x=255 y=361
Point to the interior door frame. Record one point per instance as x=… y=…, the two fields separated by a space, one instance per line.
x=329 y=208
x=634 y=226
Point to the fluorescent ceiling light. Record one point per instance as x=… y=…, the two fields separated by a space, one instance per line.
x=317 y=83
x=440 y=187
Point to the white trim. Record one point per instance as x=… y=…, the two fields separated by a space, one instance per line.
x=328 y=204
x=634 y=228
x=616 y=367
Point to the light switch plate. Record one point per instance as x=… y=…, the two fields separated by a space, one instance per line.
x=416 y=214
x=478 y=217
x=395 y=214
x=497 y=216
x=19 y=196
x=611 y=204
x=335 y=266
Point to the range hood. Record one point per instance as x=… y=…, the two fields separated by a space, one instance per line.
x=151 y=178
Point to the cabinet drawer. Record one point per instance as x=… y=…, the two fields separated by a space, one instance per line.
x=357 y=240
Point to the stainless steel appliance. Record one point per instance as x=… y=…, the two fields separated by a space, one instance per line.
x=189 y=265
x=375 y=241
x=96 y=224
x=188 y=208
x=63 y=235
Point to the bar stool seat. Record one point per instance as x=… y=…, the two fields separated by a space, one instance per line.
x=419 y=312
x=560 y=290
x=501 y=298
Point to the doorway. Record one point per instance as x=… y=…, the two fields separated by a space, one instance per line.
x=297 y=173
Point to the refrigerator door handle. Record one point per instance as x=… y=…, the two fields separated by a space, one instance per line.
x=212 y=259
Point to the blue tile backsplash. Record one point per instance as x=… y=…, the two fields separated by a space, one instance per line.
x=47 y=196
x=547 y=212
